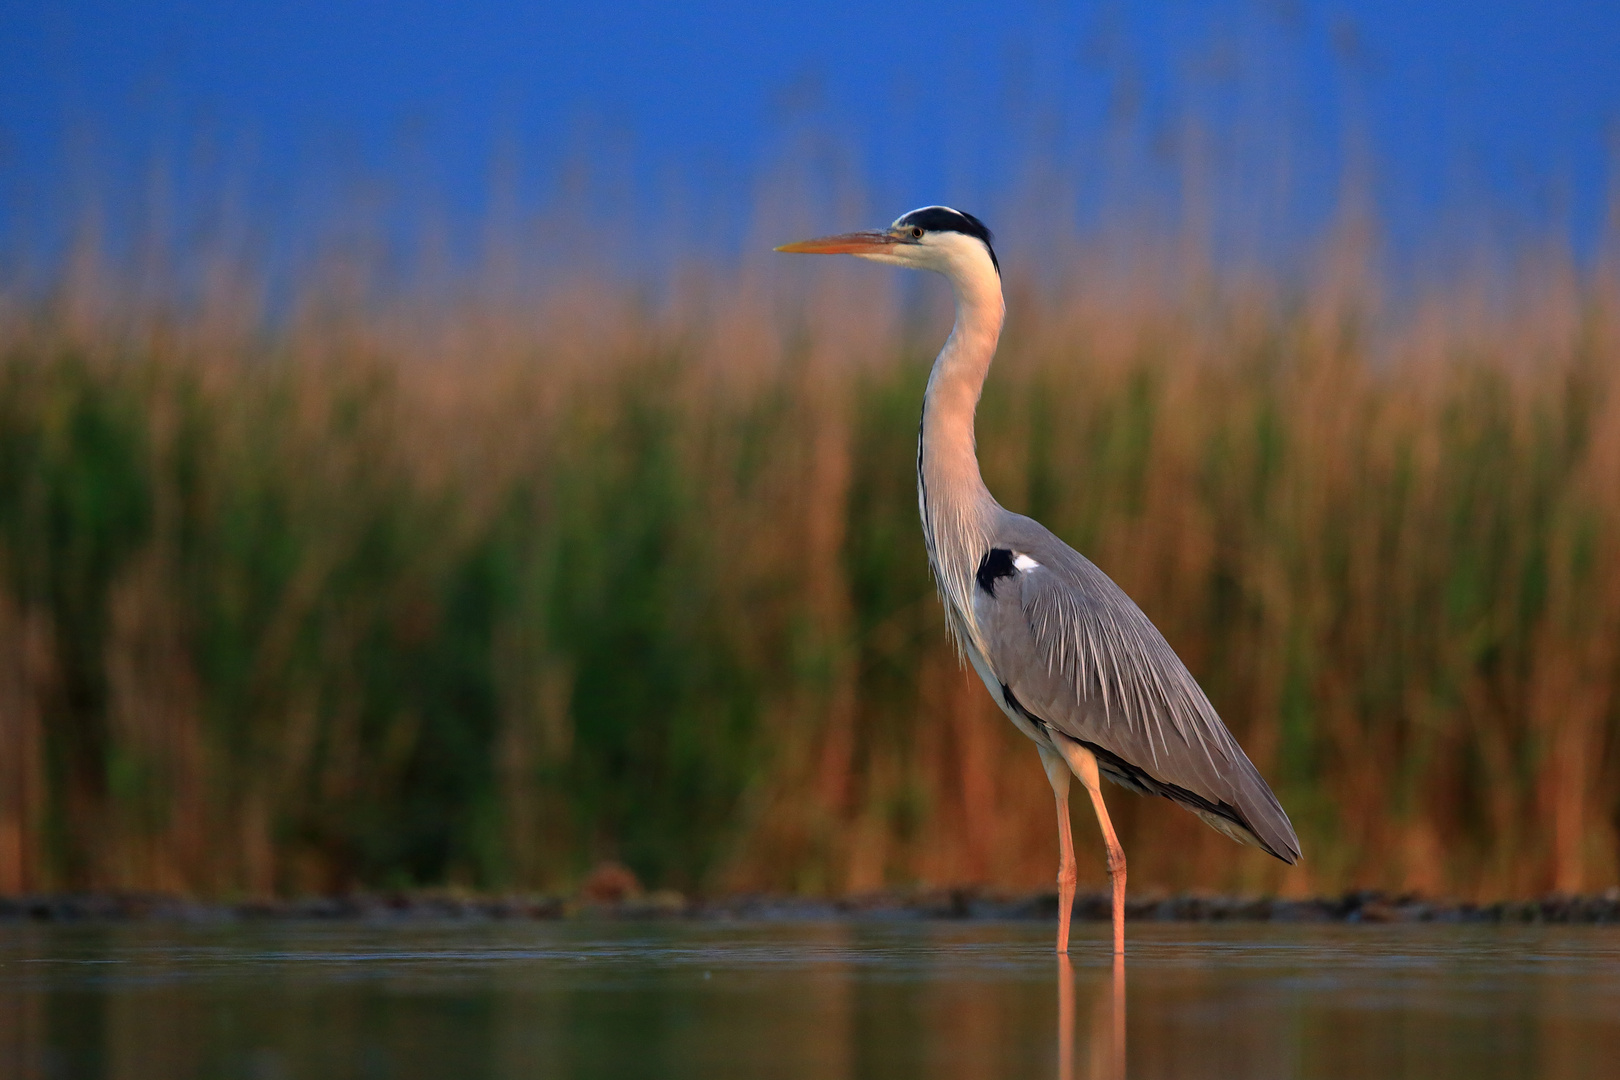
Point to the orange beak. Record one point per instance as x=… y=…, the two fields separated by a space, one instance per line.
x=855 y=243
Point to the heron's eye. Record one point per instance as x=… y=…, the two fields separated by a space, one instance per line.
x=916 y=232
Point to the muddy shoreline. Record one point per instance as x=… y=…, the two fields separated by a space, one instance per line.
x=944 y=904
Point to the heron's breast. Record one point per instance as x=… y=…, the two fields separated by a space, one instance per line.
x=998 y=694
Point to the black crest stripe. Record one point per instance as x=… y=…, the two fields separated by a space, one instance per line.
x=945 y=219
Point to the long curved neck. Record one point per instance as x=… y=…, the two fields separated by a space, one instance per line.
x=957 y=510
x=948 y=464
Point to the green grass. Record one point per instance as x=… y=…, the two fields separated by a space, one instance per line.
x=311 y=611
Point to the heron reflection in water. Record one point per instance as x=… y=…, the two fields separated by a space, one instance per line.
x=1106 y=1041
x=1061 y=648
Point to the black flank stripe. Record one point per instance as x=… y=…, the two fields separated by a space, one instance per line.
x=1139 y=779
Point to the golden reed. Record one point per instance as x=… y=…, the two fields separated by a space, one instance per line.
x=481 y=585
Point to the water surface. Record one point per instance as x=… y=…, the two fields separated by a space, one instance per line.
x=721 y=1001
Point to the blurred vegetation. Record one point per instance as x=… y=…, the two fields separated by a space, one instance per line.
x=450 y=593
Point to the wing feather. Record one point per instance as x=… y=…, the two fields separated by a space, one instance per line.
x=1073 y=653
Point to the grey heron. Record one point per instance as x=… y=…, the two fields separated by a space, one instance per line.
x=1070 y=659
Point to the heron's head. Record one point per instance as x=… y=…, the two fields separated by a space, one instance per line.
x=932 y=238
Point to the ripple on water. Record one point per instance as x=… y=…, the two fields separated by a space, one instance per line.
x=580 y=999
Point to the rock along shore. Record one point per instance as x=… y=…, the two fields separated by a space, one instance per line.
x=960 y=904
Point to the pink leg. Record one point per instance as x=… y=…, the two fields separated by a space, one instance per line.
x=1068 y=874
x=1057 y=771
x=1084 y=764
x=1116 y=863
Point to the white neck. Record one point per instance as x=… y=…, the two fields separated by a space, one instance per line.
x=956 y=506
x=949 y=457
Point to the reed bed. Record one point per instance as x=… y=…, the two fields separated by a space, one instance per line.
x=479 y=588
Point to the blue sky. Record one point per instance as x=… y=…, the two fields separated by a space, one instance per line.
x=1504 y=110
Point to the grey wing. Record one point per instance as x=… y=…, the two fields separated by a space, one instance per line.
x=1075 y=655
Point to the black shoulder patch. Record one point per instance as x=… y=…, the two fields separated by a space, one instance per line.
x=997 y=563
x=944 y=219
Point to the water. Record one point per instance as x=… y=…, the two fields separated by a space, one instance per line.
x=889 y=1001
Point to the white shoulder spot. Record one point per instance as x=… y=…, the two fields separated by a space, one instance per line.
x=1025 y=563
